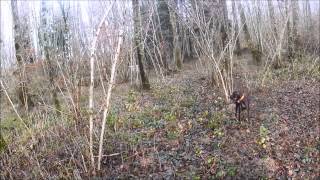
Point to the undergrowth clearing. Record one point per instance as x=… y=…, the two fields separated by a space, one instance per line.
x=181 y=128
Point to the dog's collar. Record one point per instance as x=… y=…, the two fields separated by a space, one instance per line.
x=241 y=98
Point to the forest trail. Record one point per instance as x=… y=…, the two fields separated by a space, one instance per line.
x=67 y=110
x=182 y=128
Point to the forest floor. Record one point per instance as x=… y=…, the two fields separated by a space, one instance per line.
x=183 y=129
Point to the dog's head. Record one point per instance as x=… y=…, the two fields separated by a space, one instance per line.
x=235 y=96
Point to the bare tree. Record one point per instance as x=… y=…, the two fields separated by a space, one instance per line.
x=65 y=48
x=166 y=32
x=308 y=15
x=108 y=98
x=175 y=30
x=64 y=40
x=272 y=18
x=47 y=45
x=139 y=43
x=257 y=50
x=244 y=24
x=293 y=32
x=274 y=32
x=288 y=31
x=22 y=47
x=224 y=23
x=236 y=25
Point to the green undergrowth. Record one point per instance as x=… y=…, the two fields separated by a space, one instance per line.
x=297 y=69
x=138 y=121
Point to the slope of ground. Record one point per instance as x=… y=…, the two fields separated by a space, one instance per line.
x=183 y=129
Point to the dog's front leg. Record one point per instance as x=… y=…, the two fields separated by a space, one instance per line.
x=238 y=110
x=248 y=109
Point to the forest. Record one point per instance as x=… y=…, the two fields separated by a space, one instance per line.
x=160 y=89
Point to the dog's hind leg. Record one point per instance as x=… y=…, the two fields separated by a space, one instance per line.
x=248 y=111
x=239 y=111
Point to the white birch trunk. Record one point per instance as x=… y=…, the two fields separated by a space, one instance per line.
x=107 y=107
x=93 y=48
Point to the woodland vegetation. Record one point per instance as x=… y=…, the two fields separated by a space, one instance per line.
x=139 y=89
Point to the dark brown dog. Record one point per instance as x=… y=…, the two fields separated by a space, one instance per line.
x=242 y=103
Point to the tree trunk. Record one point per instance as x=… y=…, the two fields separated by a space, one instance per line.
x=288 y=9
x=294 y=32
x=236 y=26
x=166 y=31
x=65 y=33
x=138 y=43
x=66 y=52
x=108 y=98
x=278 y=60
x=272 y=18
x=21 y=45
x=176 y=43
x=224 y=24
x=308 y=18
x=46 y=51
x=244 y=24
x=258 y=49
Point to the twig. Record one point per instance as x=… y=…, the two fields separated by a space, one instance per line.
x=110 y=155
